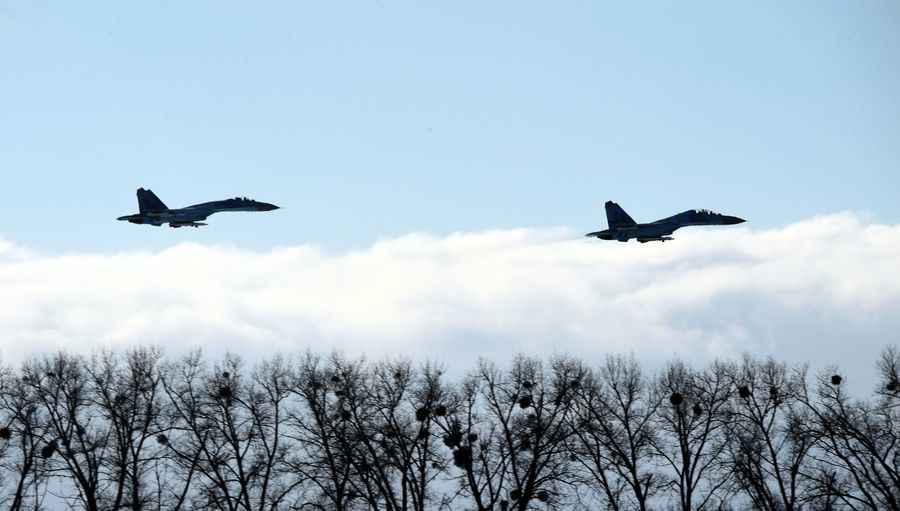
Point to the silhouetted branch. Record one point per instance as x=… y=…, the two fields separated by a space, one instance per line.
x=131 y=431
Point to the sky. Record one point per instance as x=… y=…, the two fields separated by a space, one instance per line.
x=378 y=123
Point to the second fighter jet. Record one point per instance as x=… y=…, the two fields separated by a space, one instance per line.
x=623 y=228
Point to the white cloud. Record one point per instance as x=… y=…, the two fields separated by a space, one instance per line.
x=825 y=290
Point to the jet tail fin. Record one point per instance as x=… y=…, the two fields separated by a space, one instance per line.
x=148 y=202
x=617 y=217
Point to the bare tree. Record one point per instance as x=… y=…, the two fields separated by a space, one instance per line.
x=384 y=426
x=327 y=443
x=690 y=437
x=23 y=433
x=768 y=444
x=125 y=394
x=858 y=455
x=126 y=430
x=476 y=443
x=398 y=432
x=227 y=429
x=525 y=430
x=614 y=426
x=78 y=436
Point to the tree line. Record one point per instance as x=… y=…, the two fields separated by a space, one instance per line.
x=135 y=430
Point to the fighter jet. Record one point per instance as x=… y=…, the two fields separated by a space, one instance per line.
x=623 y=228
x=154 y=212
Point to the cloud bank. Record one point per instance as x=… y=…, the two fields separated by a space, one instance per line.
x=825 y=290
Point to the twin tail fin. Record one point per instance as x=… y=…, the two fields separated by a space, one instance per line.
x=148 y=202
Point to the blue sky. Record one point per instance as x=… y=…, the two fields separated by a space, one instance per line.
x=373 y=119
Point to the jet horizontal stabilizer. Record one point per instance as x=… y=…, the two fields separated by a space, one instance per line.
x=603 y=235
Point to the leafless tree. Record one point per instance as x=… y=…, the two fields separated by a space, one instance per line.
x=768 y=445
x=524 y=429
x=327 y=443
x=77 y=435
x=615 y=433
x=226 y=430
x=367 y=432
x=476 y=443
x=858 y=455
x=125 y=394
x=690 y=437
x=23 y=433
x=127 y=430
x=400 y=438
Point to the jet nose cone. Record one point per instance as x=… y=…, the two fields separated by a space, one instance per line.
x=268 y=207
x=731 y=220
